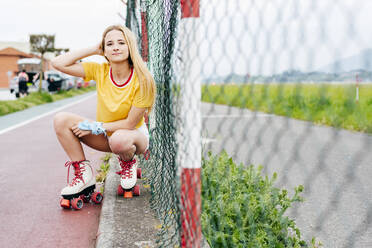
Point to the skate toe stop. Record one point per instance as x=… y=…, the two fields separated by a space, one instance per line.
x=128 y=194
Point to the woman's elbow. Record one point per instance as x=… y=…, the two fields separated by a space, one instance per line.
x=58 y=63
x=55 y=63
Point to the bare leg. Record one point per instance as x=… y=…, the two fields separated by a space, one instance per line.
x=126 y=143
x=71 y=144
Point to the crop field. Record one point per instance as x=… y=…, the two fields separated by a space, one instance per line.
x=324 y=104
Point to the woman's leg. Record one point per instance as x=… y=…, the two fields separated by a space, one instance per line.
x=126 y=143
x=63 y=123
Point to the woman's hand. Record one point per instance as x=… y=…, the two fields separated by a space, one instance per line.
x=80 y=133
x=99 y=50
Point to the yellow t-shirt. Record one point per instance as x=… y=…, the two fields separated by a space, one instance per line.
x=114 y=100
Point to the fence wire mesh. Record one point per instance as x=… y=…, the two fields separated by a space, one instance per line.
x=285 y=87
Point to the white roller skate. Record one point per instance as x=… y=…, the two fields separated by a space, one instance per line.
x=128 y=178
x=81 y=188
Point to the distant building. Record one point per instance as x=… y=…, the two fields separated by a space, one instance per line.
x=21 y=46
x=10 y=53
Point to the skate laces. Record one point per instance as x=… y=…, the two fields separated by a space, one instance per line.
x=126 y=167
x=78 y=171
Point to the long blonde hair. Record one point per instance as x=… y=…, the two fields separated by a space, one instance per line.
x=146 y=80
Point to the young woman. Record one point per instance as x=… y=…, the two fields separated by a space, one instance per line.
x=125 y=92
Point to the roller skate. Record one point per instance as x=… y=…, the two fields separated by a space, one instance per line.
x=81 y=189
x=128 y=178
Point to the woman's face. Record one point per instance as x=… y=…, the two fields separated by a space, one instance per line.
x=116 y=48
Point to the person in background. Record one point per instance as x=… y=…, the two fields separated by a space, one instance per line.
x=22 y=83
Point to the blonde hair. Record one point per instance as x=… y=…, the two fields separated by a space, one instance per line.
x=146 y=80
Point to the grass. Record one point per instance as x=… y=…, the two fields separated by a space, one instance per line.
x=38 y=98
x=325 y=104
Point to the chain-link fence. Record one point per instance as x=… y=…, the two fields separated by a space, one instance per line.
x=284 y=84
x=155 y=24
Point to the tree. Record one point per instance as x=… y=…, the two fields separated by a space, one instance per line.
x=59 y=51
x=42 y=43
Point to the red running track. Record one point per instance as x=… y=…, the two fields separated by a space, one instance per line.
x=32 y=174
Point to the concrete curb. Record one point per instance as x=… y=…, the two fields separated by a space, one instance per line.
x=125 y=222
x=106 y=222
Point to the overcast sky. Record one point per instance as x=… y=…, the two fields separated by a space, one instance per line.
x=75 y=23
x=269 y=36
x=246 y=36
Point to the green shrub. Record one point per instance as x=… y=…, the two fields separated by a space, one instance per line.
x=10 y=106
x=243 y=209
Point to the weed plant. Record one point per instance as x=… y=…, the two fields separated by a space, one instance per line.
x=241 y=208
x=104 y=168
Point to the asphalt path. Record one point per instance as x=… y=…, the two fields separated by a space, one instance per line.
x=333 y=165
x=32 y=174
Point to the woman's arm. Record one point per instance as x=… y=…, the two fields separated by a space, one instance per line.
x=135 y=115
x=66 y=62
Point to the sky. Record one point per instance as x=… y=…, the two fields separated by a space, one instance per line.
x=270 y=36
x=239 y=36
x=75 y=23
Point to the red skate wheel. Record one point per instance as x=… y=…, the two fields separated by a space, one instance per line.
x=85 y=198
x=120 y=190
x=77 y=203
x=136 y=190
x=128 y=194
x=139 y=173
x=97 y=197
x=65 y=203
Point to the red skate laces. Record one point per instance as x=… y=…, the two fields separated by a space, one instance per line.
x=126 y=167
x=78 y=171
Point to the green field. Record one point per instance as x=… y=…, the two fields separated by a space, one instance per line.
x=326 y=104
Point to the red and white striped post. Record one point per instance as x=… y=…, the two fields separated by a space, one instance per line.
x=144 y=37
x=190 y=147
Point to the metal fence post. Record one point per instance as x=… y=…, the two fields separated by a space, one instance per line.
x=190 y=147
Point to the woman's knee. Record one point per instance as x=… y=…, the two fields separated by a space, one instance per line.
x=121 y=141
x=62 y=120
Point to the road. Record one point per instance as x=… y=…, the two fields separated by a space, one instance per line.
x=333 y=165
x=32 y=173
